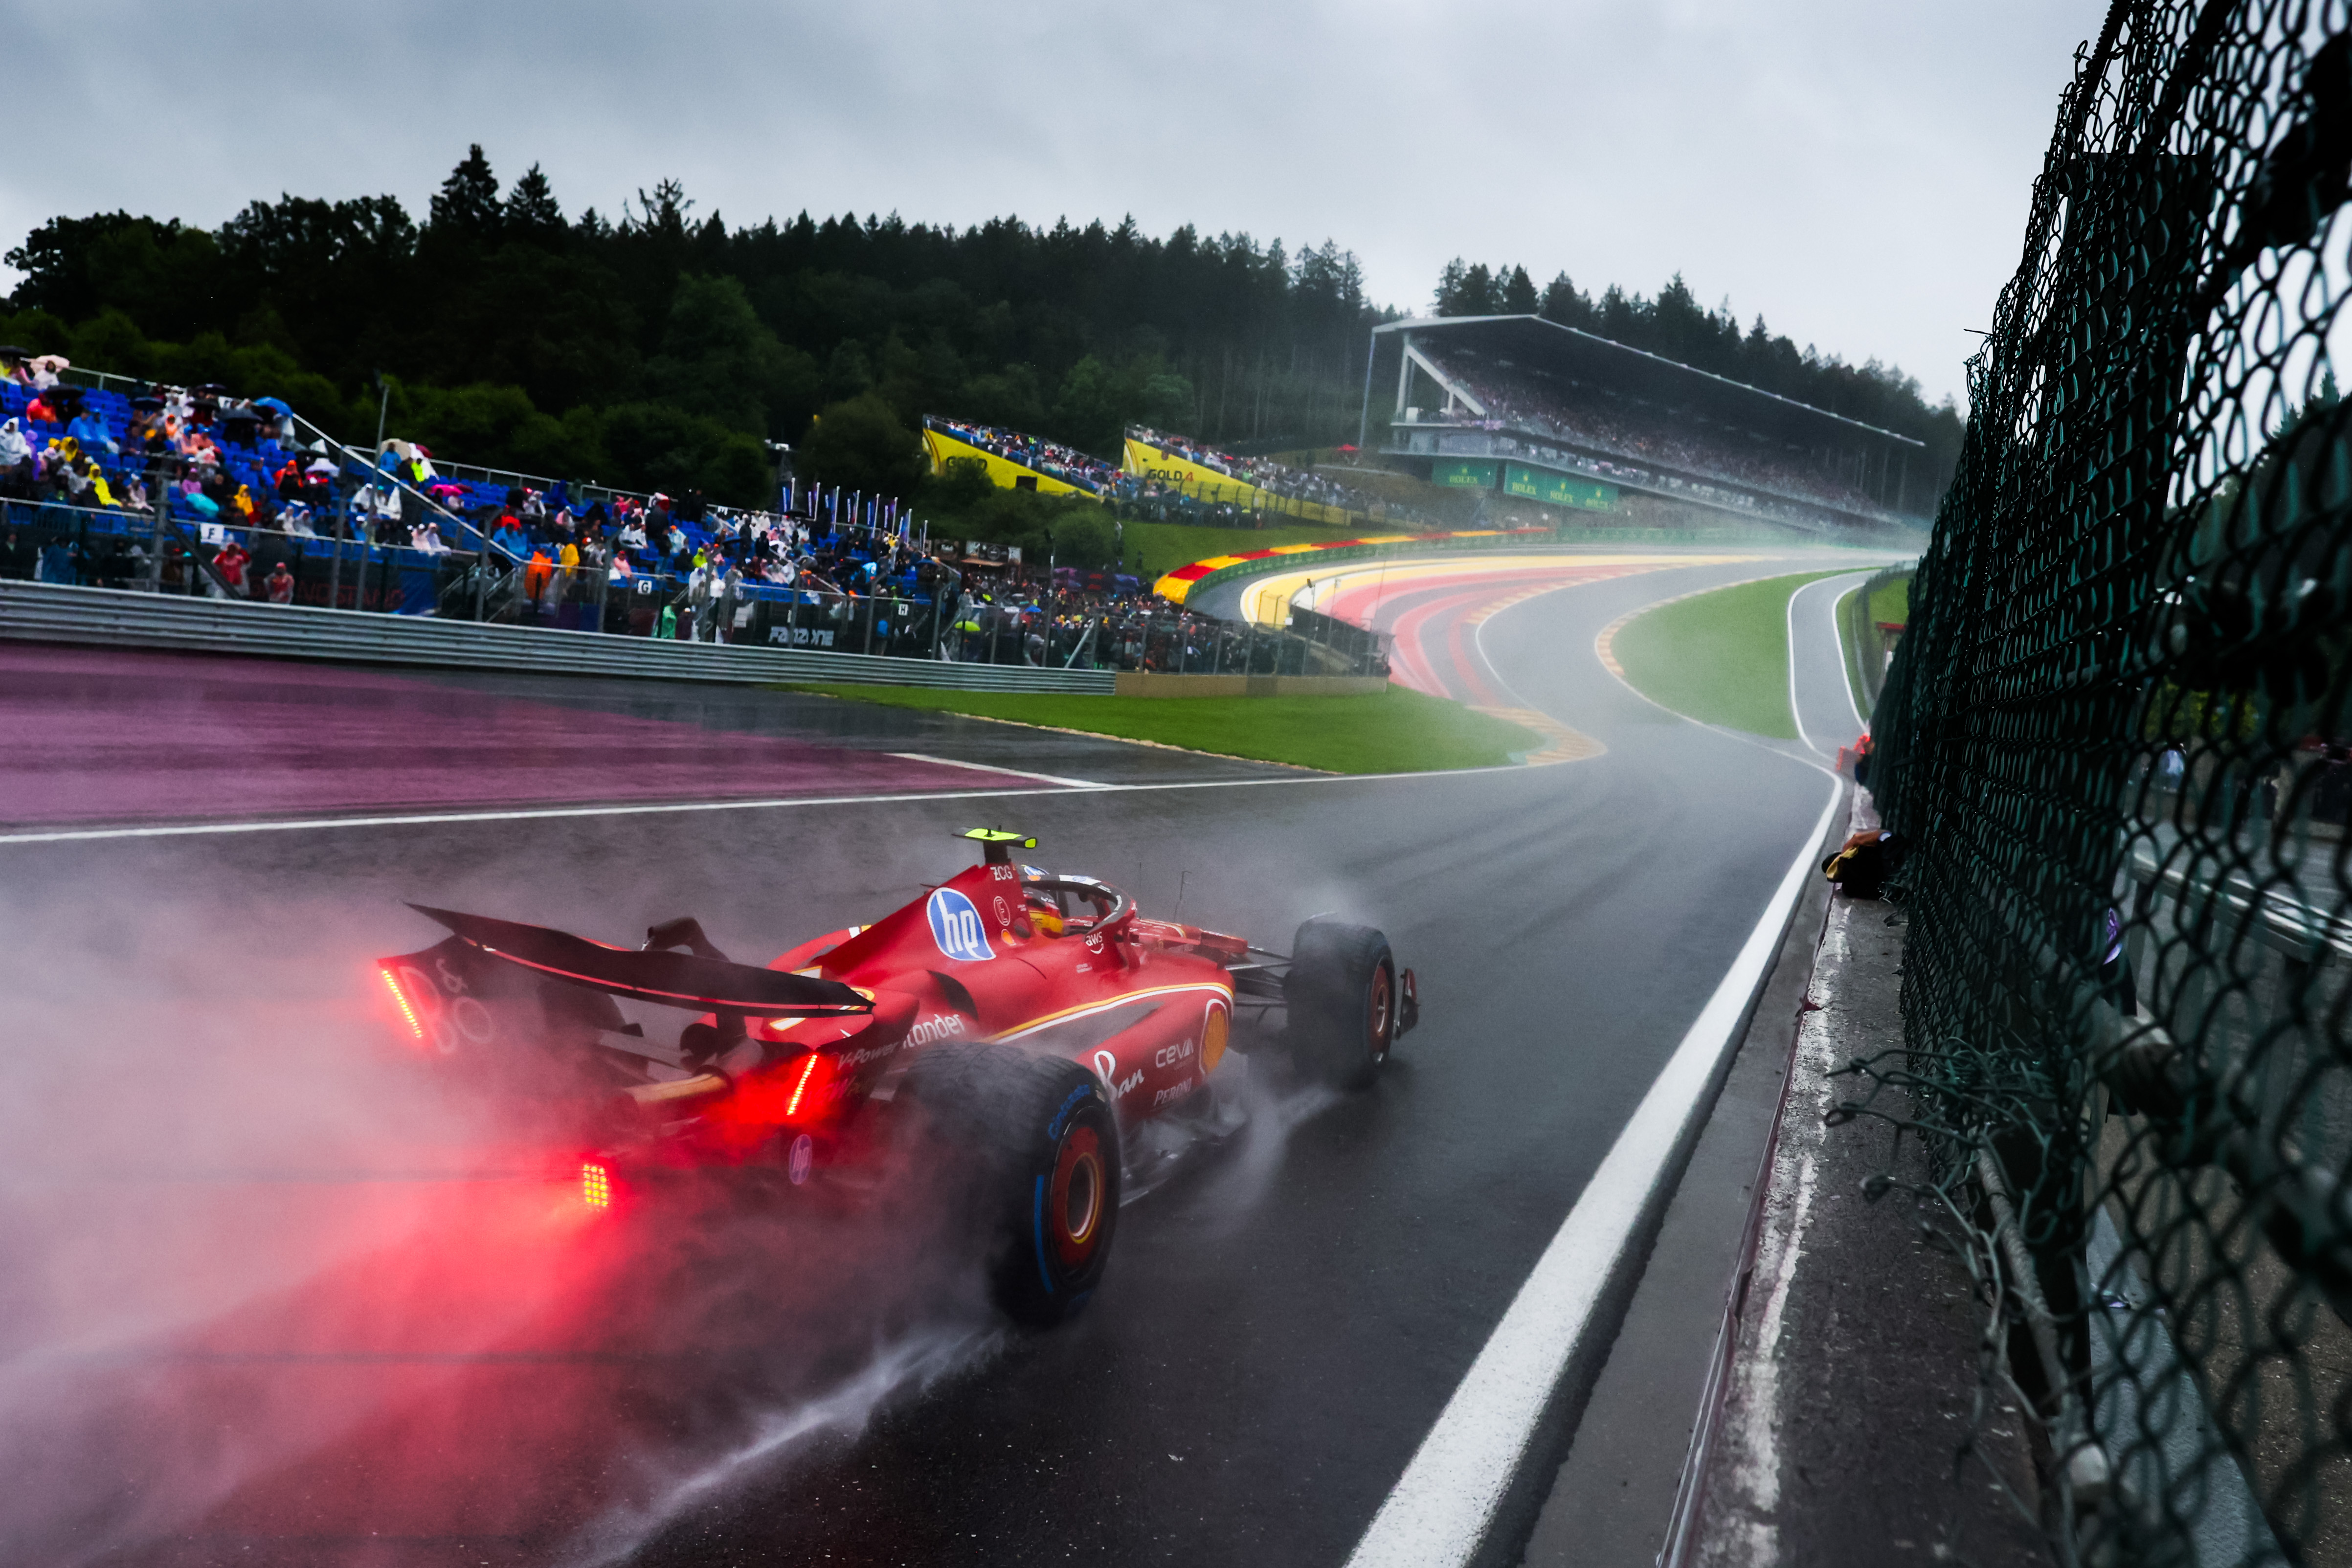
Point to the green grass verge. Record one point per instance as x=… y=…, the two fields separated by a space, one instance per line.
x=1892 y=603
x=1391 y=732
x=1849 y=653
x=1722 y=657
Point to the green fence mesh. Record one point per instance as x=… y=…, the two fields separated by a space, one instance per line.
x=2115 y=735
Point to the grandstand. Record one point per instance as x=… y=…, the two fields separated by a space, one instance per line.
x=1014 y=460
x=1539 y=410
x=1168 y=478
x=255 y=503
x=1256 y=483
x=96 y=445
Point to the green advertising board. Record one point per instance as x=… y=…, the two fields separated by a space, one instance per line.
x=1558 y=489
x=1462 y=474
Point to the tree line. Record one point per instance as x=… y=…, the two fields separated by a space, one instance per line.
x=660 y=348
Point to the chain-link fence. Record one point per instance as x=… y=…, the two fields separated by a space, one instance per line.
x=2114 y=736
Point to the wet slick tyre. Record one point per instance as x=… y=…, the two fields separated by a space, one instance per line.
x=1342 y=999
x=1037 y=1140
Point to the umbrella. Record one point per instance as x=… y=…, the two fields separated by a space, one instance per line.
x=272 y=403
x=51 y=363
x=1347 y=448
x=321 y=465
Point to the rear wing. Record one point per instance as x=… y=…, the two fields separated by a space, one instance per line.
x=685 y=980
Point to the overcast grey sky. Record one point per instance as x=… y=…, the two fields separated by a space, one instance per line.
x=1857 y=173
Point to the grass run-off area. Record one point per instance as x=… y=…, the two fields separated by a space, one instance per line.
x=1721 y=658
x=1391 y=731
x=1891 y=604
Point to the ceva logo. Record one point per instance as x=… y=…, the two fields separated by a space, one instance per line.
x=955 y=926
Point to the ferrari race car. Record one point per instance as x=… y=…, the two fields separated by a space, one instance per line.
x=1036 y=1028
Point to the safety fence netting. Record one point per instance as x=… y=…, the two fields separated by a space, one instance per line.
x=2114 y=736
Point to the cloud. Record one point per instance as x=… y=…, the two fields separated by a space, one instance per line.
x=1859 y=174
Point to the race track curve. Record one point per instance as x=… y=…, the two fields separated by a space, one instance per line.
x=286 y=1308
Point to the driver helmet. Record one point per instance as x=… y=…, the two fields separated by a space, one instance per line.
x=1045 y=915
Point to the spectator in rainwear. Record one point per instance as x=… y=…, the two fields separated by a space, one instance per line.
x=90 y=430
x=230 y=561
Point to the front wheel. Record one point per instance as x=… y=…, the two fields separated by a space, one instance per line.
x=1041 y=1144
x=1344 y=1003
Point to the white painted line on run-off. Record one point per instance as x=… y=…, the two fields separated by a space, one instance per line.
x=671 y=808
x=1441 y=1509
x=1009 y=773
x=1796 y=708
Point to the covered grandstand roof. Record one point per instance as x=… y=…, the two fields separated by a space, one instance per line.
x=1547 y=347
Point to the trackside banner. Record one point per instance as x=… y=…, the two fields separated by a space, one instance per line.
x=1558 y=489
x=1147 y=461
x=1004 y=472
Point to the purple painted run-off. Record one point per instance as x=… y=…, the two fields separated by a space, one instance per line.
x=92 y=735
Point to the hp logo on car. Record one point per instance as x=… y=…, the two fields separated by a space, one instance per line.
x=955 y=926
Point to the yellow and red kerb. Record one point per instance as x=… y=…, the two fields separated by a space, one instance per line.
x=1176 y=585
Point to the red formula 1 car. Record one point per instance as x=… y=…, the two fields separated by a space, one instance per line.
x=1040 y=1044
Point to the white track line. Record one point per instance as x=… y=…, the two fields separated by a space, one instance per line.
x=666 y=808
x=1009 y=773
x=1846 y=660
x=1442 y=1508
x=1796 y=708
x=1837 y=641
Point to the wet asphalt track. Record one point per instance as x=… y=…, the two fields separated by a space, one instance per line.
x=1282 y=1321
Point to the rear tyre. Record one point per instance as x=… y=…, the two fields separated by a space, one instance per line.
x=1038 y=1138
x=1343 y=1003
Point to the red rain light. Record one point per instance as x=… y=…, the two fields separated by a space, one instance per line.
x=415 y=1025
x=801 y=1087
x=596 y=1185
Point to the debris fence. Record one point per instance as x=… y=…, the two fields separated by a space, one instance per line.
x=2114 y=736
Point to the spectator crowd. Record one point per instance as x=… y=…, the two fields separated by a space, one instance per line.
x=250 y=511
x=1068 y=464
x=1265 y=474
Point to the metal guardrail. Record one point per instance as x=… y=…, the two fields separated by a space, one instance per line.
x=2234 y=902
x=45 y=612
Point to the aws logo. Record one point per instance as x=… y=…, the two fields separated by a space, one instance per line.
x=956 y=927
